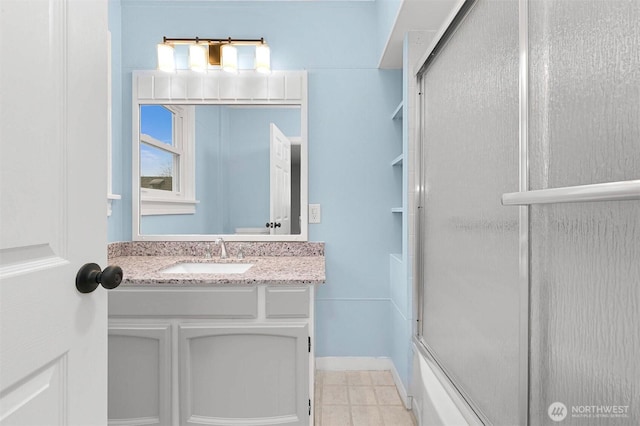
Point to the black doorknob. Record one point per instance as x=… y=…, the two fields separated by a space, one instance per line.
x=90 y=275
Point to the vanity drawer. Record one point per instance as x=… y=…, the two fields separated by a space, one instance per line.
x=287 y=302
x=210 y=302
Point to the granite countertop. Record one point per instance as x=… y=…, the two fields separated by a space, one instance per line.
x=146 y=270
x=273 y=262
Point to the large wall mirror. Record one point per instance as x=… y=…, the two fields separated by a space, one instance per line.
x=220 y=155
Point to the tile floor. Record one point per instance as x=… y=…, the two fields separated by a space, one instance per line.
x=359 y=398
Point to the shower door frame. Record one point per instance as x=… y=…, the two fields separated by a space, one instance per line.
x=523 y=219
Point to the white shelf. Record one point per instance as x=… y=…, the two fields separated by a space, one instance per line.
x=397 y=210
x=397 y=113
x=398 y=160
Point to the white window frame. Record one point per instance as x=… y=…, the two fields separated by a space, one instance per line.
x=181 y=200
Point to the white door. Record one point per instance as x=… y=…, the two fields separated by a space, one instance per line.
x=280 y=182
x=53 y=97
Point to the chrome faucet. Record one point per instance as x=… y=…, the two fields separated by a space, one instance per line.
x=223 y=248
x=207 y=251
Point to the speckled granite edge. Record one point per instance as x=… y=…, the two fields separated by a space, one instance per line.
x=280 y=270
x=199 y=248
x=114 y=250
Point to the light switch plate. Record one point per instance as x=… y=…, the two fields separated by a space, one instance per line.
x=314 y=213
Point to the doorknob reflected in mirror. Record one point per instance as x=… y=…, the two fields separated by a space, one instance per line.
x=90 y=275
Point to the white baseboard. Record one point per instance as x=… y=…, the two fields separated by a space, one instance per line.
x=402 y=391
x=353 y=363
x=348 y=363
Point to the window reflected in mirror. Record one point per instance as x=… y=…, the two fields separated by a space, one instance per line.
x=160 y=147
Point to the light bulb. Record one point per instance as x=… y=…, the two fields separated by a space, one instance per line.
x=229 y=58
x=263 y=58
x=198 y=55
x=166 y=60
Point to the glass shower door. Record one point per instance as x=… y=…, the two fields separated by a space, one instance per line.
x=568 y=345
x=469 y=240
x=584 y=129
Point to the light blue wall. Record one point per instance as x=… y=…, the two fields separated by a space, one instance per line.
x=351 y=177
x=351 y=140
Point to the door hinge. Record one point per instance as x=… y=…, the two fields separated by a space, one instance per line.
x=309 y=406
x=309 y=344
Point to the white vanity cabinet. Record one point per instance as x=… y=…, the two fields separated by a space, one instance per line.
x=140 y=373
x=236 y=355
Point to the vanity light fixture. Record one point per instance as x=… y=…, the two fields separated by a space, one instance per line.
x=205 y=52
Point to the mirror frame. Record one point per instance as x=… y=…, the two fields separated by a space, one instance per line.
x=219 y=88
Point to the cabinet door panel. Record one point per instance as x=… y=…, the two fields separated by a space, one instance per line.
x=244 y=375
x=139 y=374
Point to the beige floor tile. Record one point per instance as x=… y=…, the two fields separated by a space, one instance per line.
x=382 y=378
x=366 y=415
x=334 y=395
x=362 y=395
x=334 y=378
x=359 y=378
x=317 y=394
x=317 y=415
x=358 y=398
x=387 y=395
x=396 y=416
x=335 y=415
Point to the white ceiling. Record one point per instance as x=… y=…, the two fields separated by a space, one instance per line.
x=416 y=15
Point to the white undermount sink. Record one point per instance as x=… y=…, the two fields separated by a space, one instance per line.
x=208 y=268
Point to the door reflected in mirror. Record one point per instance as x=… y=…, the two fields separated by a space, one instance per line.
x=219 y=169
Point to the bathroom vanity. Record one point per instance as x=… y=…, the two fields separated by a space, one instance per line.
x=214 y=348
x=195 y=339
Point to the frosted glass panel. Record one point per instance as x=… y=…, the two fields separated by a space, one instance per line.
x=585 y=258
x=585 y=307
x=470 y=241
x=584 y=91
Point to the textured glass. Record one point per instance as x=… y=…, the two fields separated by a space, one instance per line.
x=584 y=91
x=585 y=307
x=585 y=257
x=470 y=240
